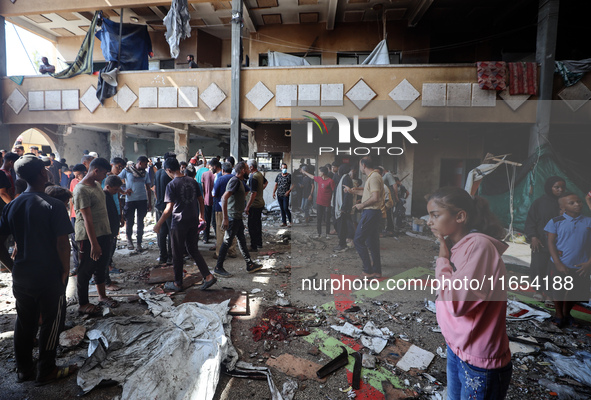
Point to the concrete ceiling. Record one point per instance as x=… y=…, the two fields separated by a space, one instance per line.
x=214 y=17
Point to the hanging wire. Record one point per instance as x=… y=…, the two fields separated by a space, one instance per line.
x=25 y=49
x=297 y=46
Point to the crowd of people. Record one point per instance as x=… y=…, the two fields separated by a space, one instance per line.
x=50 y=211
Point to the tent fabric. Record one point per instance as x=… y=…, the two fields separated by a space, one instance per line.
x=136 y=45
x=478 y=174
x=578 y=66
x=175 y=354
x=379 y=55
x=529 y=185
x=569 y=77
x=83 y=62
x=178 y=26
x=277 y=59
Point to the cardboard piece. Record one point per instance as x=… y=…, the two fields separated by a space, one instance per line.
x=296 y=367
x=417 y=358
x=239 y=301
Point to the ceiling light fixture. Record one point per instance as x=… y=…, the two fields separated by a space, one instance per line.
x=134 y=19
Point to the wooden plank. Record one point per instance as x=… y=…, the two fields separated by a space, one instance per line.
x=239 y=301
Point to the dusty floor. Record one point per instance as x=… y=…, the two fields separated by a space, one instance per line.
x=311 y=312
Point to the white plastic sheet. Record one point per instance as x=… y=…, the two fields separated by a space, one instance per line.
x=174 y=356
x=379 y=55
x=277 y=59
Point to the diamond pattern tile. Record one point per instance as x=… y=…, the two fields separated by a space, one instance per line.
x=515 y=101
x=259 y=95
x=89 y=99
x=213 y=96
x=125 y=98
x=361 y=94
x=575 y=96
x=404 y=94
x=16 y=101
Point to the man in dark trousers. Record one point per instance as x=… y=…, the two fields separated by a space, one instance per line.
x=39 y=271
x=161 y=180
x=232 y=208
x=254 y=208
x=185 y=206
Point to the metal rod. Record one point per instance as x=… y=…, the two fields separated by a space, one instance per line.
x=120 y=34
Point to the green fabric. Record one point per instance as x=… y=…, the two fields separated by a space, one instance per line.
x=529 y=189
x=17 y=79
x=83 y=62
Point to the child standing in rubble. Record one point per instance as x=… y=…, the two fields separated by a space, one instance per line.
x=472 y=321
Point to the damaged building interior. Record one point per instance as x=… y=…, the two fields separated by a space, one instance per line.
x=500 y=97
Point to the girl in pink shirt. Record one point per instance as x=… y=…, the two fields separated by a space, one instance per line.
x=471 y=303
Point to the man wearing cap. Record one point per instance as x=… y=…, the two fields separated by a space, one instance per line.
x=34 y=150
x=39 y=271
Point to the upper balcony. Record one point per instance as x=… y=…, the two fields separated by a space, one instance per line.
x=202 y=96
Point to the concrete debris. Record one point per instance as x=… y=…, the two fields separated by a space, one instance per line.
x=562 y=391
x=348 y=329
x=417 y=358
x=368 y=361
x=289 y=389
x=517 y=311
x=72 y=337
x=375 y=344
x=441 y=353
x=256 y=290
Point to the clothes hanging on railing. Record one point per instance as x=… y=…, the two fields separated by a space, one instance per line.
x=136 y=45
x=177 y=25
x=83 y=62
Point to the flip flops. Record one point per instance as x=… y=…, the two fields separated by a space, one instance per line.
x=558 y=322
x=90 y=309
x=109 y=302
x=116 y=271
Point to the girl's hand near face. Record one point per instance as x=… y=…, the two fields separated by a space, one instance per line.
x=443 y=247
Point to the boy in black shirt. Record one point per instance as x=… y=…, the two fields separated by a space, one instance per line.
x=39 y=271
x=185 y=205
x=112 y=186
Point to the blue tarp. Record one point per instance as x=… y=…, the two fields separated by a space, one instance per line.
x=136 y=44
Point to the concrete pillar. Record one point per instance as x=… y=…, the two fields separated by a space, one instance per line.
x=235 y=97
x=117 y=142
x=181 y=145
x=545 y=55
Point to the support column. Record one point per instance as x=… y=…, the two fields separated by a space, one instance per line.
x=181 y=145
x=4 y=131
x=235 y=97
x=545 y=55
x=117 y=142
